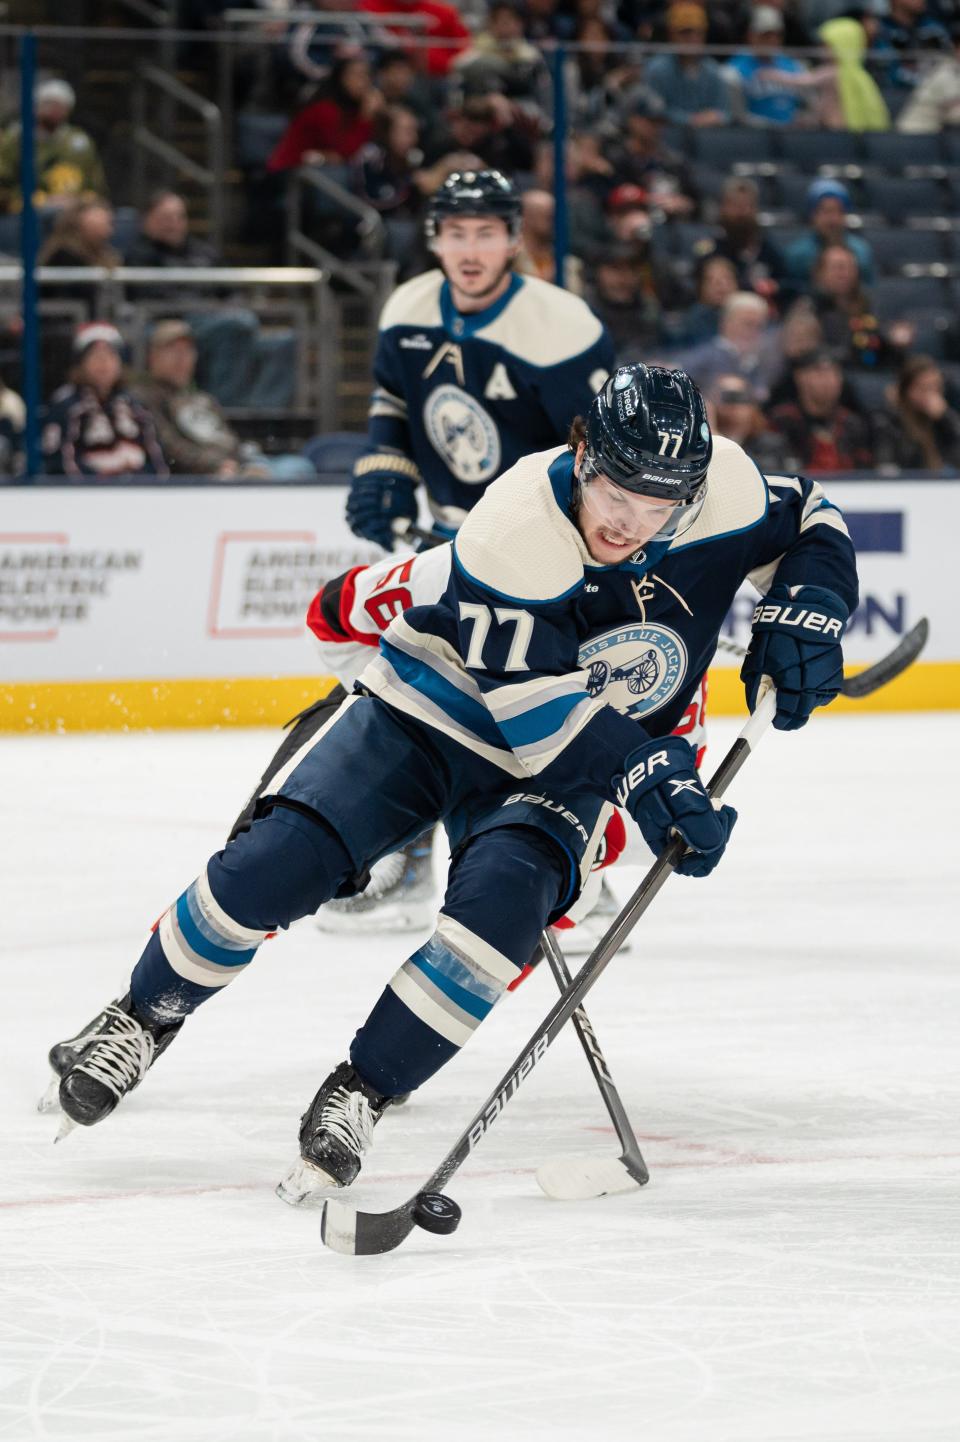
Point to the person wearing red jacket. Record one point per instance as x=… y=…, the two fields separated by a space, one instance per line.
x=443 y=26
x=337 y=125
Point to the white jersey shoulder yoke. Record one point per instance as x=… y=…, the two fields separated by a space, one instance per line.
x=516 y=542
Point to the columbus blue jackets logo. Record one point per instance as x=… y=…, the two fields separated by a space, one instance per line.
x=636 y=668
x=462 y=432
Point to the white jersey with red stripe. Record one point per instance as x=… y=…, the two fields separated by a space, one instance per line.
x=352 y=611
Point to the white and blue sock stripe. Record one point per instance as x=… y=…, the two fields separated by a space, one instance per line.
x=201 y=942
x=453 y=981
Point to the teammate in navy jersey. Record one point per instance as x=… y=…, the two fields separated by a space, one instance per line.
x=475 y=366
x=586 y=595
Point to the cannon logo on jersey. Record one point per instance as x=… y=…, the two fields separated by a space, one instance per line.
x=461 y=431
x=636 y=668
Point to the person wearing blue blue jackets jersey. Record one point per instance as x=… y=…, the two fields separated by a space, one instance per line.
x=763 y=75
x=475 y=366
x=586 y=595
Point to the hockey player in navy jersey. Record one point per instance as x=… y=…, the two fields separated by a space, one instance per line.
x=475 y=367
x=587 y=592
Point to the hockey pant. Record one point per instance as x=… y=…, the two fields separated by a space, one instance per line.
x=366 y=784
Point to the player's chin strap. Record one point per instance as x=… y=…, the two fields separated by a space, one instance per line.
x=345 y=1228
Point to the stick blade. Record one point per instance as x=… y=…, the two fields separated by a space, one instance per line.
x=888 y=668
x=364 y=1234
x=580 y=1179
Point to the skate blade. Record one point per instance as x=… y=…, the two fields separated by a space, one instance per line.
x=50 y=1101
x=373 y=923
x=306 y=1185
x=67 y=1125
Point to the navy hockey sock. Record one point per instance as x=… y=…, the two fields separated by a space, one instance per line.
x=502 y=889
x=283 y=868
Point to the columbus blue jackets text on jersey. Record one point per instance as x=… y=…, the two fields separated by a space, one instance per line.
x=460 y=398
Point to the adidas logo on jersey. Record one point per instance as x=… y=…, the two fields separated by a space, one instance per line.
x=415 y=342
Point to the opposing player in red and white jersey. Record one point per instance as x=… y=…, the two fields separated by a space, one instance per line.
x=347 y=618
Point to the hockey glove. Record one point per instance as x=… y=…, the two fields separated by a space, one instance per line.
x=383 y=490
x=663 y=793
x=796 y=642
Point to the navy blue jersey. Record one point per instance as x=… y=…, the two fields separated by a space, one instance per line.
x=544 y=662
x=460 y=398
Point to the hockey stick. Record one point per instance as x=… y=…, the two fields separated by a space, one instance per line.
x=346 y=1229
x=580 y=1178
x=865 y=682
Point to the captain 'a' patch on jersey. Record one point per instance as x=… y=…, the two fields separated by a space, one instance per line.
x=465 y=396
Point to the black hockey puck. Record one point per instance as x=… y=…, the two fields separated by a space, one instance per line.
x=436 y=1213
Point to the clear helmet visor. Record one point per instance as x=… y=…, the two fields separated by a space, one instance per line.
x=628 y=516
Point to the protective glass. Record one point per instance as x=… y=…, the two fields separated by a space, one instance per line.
x=635 y=517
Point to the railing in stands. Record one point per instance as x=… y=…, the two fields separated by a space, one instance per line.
x=210 y=177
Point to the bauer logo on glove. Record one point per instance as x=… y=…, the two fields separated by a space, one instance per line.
x=796 y=642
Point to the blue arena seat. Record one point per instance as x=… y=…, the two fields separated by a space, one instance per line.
x=256 y=137
x=894 y=248
x=728 y=147
x=811 y=150
x=895 y=152
x=900 y=298
x=334 y=455
x=870 y=388
x=901 y=200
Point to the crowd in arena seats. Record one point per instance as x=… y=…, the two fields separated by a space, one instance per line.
x=787 y=226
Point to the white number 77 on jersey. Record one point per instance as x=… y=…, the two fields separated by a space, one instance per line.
x=482 y=618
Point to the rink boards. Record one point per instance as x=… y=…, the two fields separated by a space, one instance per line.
x=184 y=605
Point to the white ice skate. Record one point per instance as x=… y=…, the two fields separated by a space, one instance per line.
x=400 y=896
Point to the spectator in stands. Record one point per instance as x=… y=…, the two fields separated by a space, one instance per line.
x=640 y=157
x=622 y=294
x=492 y=127
x=858 y=102
x=760 y=72
x=541 y=20
x=596 y=77
x=908 y=25
x=536 y=255
x=441 y=23
x=195 y=435
x=850 y=327
x=691 y=85
x=828 y=204
x=921 y=431
x=66 y=159
x=164 y=239
x=759 y=263
x=696 y=324
x=333 y=128
x=312 y=46
x=400 y=83
x=935 y=103
x=239 y=363
x=744 y=345
x=94 y=427
x=81 y=235
x=386 y=170
x=503 y=56
x=734 y=412
x=13 y=419
x=818 y=432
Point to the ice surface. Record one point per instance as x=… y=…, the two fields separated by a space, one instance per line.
x=786 y=1038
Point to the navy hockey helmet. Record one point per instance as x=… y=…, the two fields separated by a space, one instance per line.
x=647 y=430
x=647 y=433
x=473 y=193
